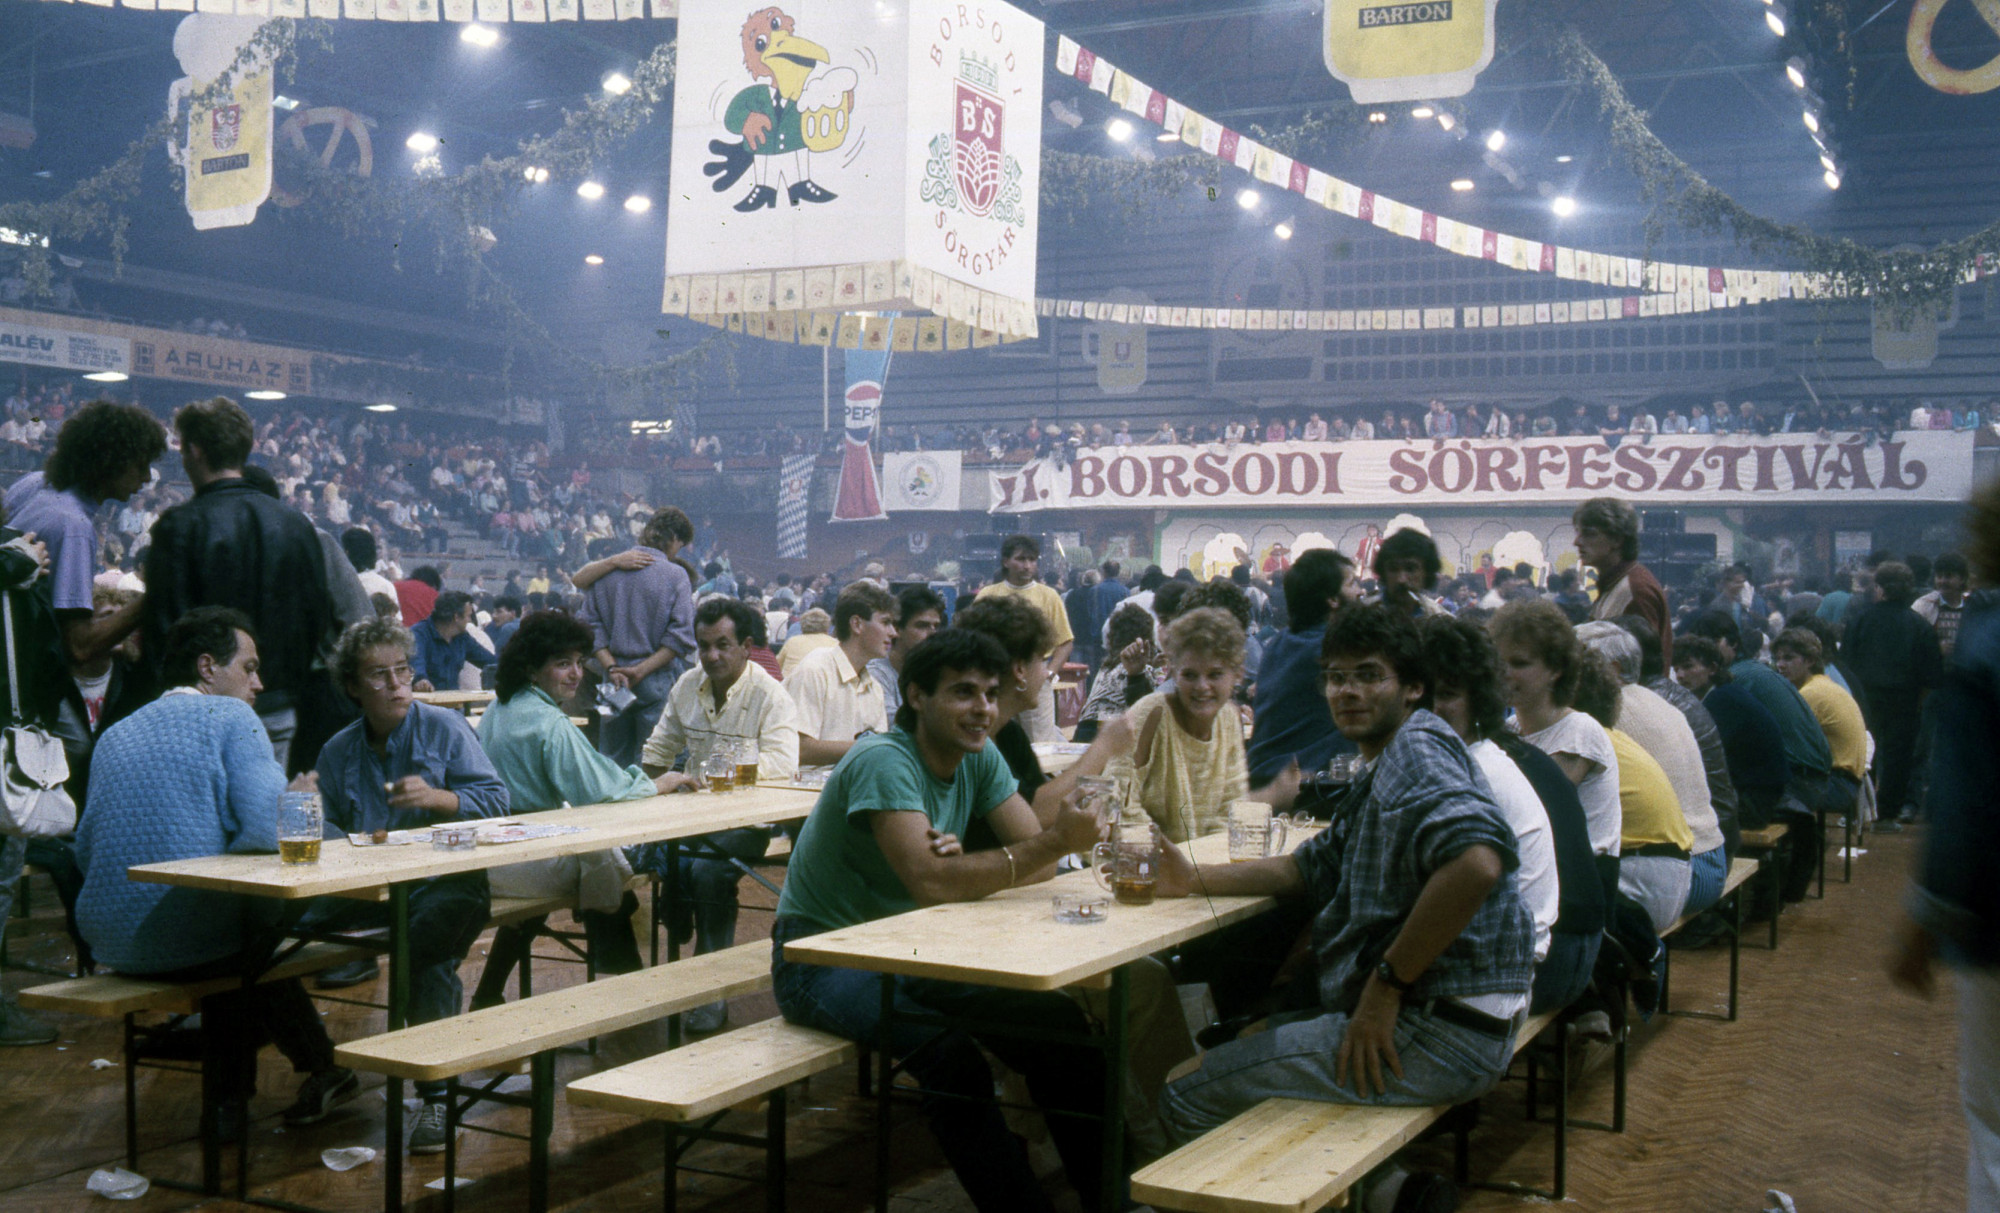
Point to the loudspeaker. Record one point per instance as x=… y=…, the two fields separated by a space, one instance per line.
x=1671 y=521
x=982 y=547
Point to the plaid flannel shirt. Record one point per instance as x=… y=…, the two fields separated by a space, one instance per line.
x=1418 y=807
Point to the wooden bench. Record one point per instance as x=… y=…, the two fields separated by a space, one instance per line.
x=1297 y=1155
x=1762 y=845
x=535 y=1028
x=1741 y=872
x=704 y=1080
x=118 y=996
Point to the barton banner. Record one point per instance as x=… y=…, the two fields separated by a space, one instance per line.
x=1679 y=470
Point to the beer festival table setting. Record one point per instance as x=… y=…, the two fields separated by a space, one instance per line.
x=1031 y=938
x=367 y=868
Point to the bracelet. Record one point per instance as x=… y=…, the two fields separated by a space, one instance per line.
x=1012 y=874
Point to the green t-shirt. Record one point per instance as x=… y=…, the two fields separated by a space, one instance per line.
x=838 y=876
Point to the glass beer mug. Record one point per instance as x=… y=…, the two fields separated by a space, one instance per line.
x=1255 y=832
x=719 y=770
x=1129 y=864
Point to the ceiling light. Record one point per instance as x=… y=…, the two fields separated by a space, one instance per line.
x=1564 y=159
x=288 y=104
x=1774 y=16
x=1495 y=140
x=265 y=393
x=1119 y=130
x=1462 y=185
x=1564 y=206
x=421 y=142
x=1795 y=71
x=1283 y=231
x=1811 y=121
x=1248 y=199
x=1377 y=116
x=1826 y=162
x=1423 y=111
x=1446 y=121
x=618 y=84
x=1167 y=137
x=592 y=259
x=535 y=174
x=1832 y=179
x=384 y=407
x=479 y=35
x=107 y=376
x=591 y=190
x=638 y=204
x=27 y=240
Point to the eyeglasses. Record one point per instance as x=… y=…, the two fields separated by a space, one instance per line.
x=1361 y=679
x=385 y=677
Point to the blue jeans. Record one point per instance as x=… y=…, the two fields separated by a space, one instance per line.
x=623 y=737
x=1564 y=973
x=1443 y=1063
x=956 y=1082
x=1706 y=872
x=707 y=904
x=447 y=914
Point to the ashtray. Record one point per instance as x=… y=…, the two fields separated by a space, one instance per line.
x=1081 y=909
x=454 y=838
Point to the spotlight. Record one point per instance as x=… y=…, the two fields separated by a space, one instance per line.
x=1826 y=162
x=1248 y=199
x=590 y=190
x=638 y=204
x=1377 y=116
x=1423 y=111
x=1795 y=71
x=618 y=84
x=383 y=407
x=1775 y=15
x=1495 y=140
x=593 y=259
x=288 y=104
x=1811 y=121
x=265 y=394
x=1119 y=130
x=1564 y=206
x=1564 y=159
x=1446 y=121
x=107 y=376
x=1463 y=185
x=1832 y=179
x=479 y=35
x=1167 y=137
x=423 y=143
x=1283 y=231
x=535 y=174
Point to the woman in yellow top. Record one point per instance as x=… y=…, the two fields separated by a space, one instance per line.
x=1801 y=658
x=1654 y=837
x=1188 y=763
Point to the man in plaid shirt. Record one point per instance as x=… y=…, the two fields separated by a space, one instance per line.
x=1423 y=947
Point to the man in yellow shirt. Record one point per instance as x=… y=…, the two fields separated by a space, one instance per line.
x=1801 y=658
x=1020 y=561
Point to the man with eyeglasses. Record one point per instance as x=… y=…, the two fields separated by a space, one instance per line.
x=407 y=765
x=1419 y=932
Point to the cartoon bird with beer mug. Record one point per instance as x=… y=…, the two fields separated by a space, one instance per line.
x=785 y=120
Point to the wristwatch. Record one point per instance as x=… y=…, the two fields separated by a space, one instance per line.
x=1387 y=972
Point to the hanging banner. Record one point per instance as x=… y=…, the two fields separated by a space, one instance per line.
x=794 y=489
x=857 y=499
x=227 y=153
x=920 y=480
x=218 y=360
x=1680 y=470
x=487 y=12
x=855 y=156
x=1407 y=52
x=38 y=345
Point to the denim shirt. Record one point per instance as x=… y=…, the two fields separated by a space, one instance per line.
x=433 y=742
x=1418 y=807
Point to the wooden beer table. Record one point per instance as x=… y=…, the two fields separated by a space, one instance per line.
x=345 y=870
x=458 y=701
x=1011 y=940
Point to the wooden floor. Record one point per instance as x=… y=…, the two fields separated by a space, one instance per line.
x=1832 y=1087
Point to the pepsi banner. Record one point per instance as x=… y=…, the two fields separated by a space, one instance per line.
x=859 y=499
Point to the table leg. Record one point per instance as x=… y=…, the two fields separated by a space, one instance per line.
x=672 y=879
x=399 y=1012
x=884 y=1091
x=542 y=1117
x=1115 y=1047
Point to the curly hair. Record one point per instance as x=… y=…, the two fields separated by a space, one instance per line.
x=354 y=643
x=1223 y=595
x=668 y=522
x=1129 y=622
x=1410 y=544
x=1613 y=516
x=542 y=637
x=102 y=442
x=1540 y=627
x=1207 y=631
x=1700 y=650
x=1022 y=630
x=1598 y=691
x=1803 y=642
x=1376 y=630
x=1462 y=658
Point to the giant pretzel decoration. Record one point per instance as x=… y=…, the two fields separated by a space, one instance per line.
x=346 y=122
x=1934 y=71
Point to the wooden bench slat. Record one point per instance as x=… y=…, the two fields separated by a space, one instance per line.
x=709 y=1075
x=1740 y=871
x=505 y=911
x=508 y=1033
x=1765 y=838
x=111 y=995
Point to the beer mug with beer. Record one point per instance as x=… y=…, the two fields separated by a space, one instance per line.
x=301 y=820
x=746 y=761
x=718 y=770
x=1129 y=864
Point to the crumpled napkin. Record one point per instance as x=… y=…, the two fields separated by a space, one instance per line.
x=118 y=1184
x=347 y=1159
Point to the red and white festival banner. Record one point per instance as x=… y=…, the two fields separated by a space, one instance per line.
x=489 y=12
x=1793 y=469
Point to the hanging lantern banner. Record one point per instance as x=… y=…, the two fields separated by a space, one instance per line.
x=489 y=12
x=858 y=499
x=856 y=157
x=1386 y=51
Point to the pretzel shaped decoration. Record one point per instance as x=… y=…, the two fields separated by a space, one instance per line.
x=1934 y=71
x=346 y=122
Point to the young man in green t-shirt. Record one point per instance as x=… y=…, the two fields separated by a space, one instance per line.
x=882 y=840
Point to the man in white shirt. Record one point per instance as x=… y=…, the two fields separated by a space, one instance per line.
x=727 y=701
x=837 y=698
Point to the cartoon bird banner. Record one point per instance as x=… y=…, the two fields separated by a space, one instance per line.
x=842 y=155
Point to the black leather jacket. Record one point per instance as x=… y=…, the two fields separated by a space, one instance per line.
x=233 y=546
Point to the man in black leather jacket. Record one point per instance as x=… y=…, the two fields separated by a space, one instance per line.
x=231 y=545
